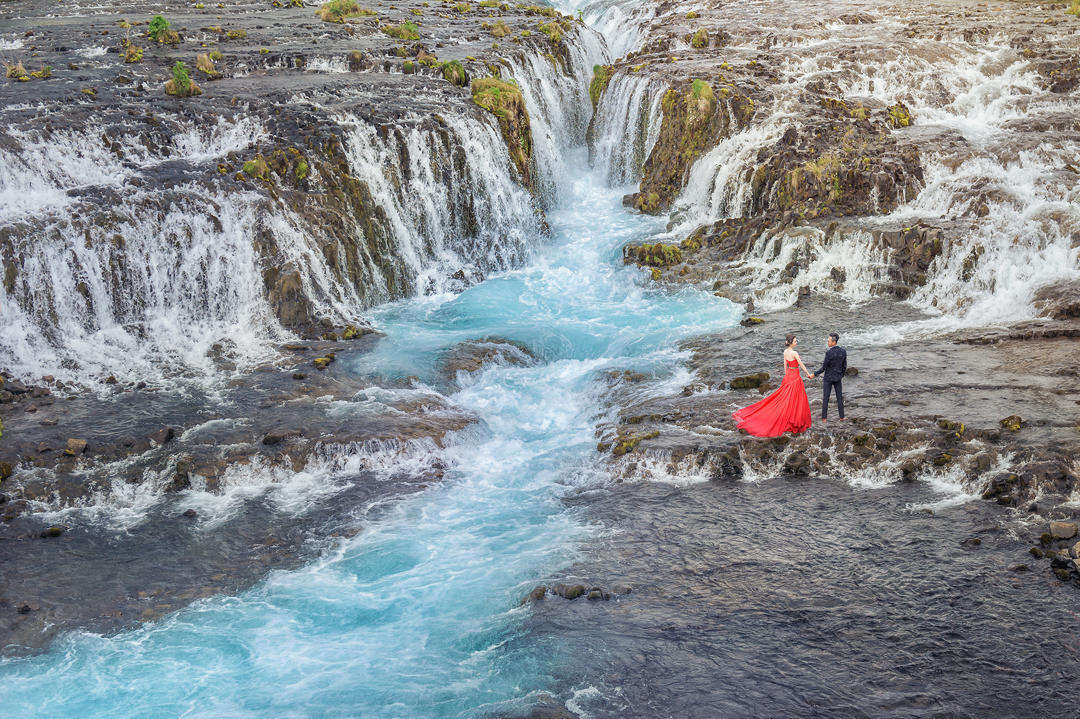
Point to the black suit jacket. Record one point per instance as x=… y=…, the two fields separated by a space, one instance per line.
x=835 y=364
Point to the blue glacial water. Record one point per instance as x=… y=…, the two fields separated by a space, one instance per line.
x=418 y=615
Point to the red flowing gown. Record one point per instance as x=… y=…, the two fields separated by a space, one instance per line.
x=785 y=410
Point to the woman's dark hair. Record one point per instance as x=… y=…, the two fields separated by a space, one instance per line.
x=789 y=339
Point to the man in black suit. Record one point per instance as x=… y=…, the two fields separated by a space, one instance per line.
x=834 y=366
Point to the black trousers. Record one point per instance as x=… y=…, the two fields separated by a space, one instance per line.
x=829 y=386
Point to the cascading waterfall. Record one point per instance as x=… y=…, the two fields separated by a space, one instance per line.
x=984 y=92
x=626 y=126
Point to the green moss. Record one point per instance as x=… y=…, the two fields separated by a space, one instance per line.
x=302 y=169
x=899 y=115
x=691 y=15
x=553 y=30
x=417 y=12
x=656 y=274
x=701 y=90
x=404 y=31
x=133 y=54
x=500 y=29
x=258 y=168
x=408 y=67
x=489 y=3
x=463 y=7
x=1074 y=9
x=340 y=10
x=215 y=55
x=700 y=39
x=505 y=102
x=453 y=72
x=44 y=72
x=658 y=255
x=236 y=34
x=600 y=79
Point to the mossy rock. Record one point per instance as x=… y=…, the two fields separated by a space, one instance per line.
x=656 y=255
x=700 y=39
x=500 y=29
x=454 y=73
x=899 y=115
x=404 y=31
x=600 y=79
x=750 y=381
x=505 y=101
x=690 y=125
x=338 y=11
x=258 y=168
x=191 y=91
x=1013 y=423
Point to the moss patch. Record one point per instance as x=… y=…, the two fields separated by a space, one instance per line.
x=404 y=31
x=600 y=79
x=505 y=102
x=341 y=10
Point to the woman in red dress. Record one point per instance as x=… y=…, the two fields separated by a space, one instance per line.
x=785 y=410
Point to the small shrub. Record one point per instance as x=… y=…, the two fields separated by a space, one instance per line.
x=158 y=27
x=160 y=32
x=216 y=55
x=206 y=66
x=553 y=30
x=133 y=54
x=700 y=39
x=500 y=29
x=181 y=84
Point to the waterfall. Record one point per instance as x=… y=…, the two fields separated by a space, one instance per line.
x=129 y=250
x=995 y=146
x=625 y=127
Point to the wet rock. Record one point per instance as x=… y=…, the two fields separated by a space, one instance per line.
x=54 y=531
x=16 y=387
x=322 y=362
x=1063 y=530
x=75 y=447
x=1062 y=574
x=473 y=355
x=1013 y=423
x=190 y=514
x=538 y=593
x=751 y=381
x=1060 y=301
x=27 y=607
x=1018 y=568
x=971 y=543
x=181 y=478
x=851 y=372
x=278 y=436
x=568 y=591
x=750 y=321
x=163 y=435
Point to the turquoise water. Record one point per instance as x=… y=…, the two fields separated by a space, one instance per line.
x=418 y=615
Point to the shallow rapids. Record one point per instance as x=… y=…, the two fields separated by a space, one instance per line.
x=418 y=614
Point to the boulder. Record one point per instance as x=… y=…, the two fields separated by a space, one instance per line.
x=473 y=355
x=163 y=435
x=750 y=381
x=568 y=591
x=280 y=435
x=75 y=447
x=1013 y=423
x=1062 y=530
x=1060 y=300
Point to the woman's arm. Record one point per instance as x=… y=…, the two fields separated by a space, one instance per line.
x=808 y=372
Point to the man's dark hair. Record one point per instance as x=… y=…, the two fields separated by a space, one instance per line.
x=835 y=337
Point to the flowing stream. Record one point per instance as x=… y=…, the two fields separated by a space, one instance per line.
x=418 y=614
